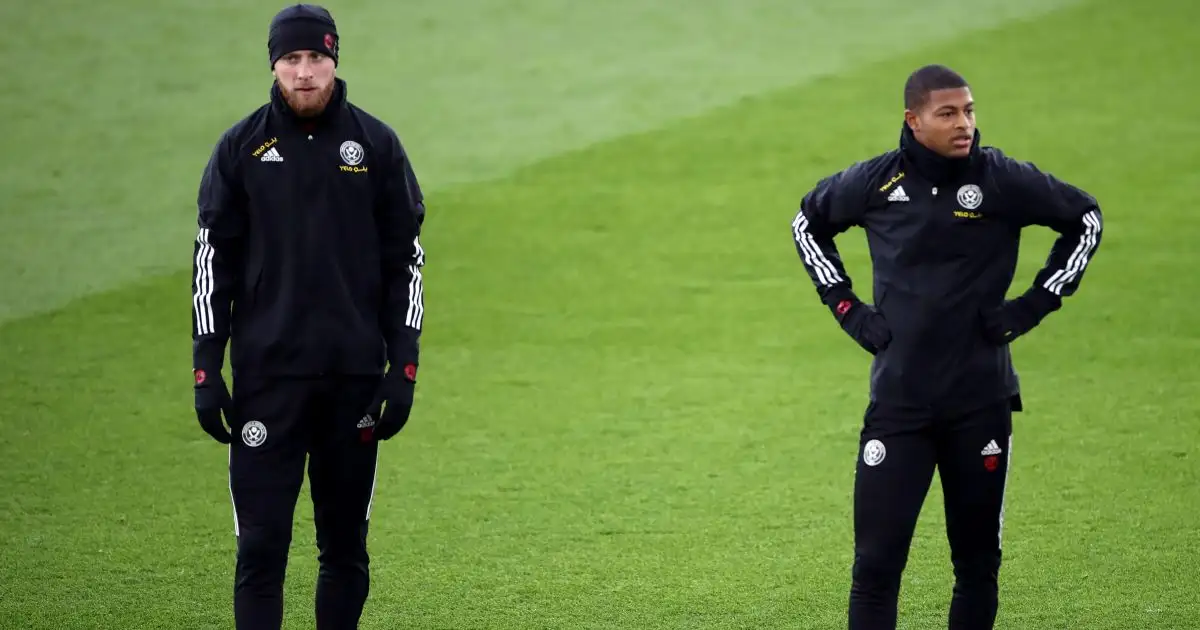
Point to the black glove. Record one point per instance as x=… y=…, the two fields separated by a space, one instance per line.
x=861 y=321
x=212 y=398
x=396 y=391
x=1016 y=317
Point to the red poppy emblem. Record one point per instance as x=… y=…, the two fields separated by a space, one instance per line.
x=329 y=41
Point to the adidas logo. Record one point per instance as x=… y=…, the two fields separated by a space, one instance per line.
x=990 y=449
x=272 y=155
x=898 y=195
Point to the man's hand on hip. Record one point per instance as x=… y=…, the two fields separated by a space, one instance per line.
x=1016 y=317
x=862 y=322
x=212 y=399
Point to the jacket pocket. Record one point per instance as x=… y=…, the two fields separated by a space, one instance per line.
x=253 y=286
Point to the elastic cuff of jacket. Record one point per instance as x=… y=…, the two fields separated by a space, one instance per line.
x=402 y=352
x=399 y=360
x=835 y=294
x=840 y=300
x=208 y=355
x=406 y=369
x=1042 y=301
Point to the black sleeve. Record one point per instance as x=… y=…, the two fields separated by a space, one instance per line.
x=217 y=255
x=1050 y=202
x=414 y=191
x=401 y=215
x=833 y=206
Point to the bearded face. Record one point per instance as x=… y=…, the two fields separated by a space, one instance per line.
x=305 y=78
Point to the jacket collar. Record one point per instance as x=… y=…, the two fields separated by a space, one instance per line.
x=336 y=102
x=936 y=168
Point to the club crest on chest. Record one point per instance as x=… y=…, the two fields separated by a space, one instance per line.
x=970 y=197
x=352 y=153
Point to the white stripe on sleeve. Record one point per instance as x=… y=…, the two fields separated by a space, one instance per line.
x=1079 y=258
x=202 y=297
x=416 y=289
x=416 y=297
x=826 y=273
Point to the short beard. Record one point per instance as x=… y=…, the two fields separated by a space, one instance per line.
x=308 y=110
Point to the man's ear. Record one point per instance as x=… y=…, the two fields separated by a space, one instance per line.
x=914 y=121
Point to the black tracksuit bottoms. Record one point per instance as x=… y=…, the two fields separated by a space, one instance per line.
x=898 y=451
x=281 y=423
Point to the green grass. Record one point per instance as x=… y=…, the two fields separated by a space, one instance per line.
x=633 y=411
x=109 y=129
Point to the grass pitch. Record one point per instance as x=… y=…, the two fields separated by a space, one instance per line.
x=633 y=411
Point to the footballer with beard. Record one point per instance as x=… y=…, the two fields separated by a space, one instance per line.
x=307 y=264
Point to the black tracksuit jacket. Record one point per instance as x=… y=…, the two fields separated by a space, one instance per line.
x=308 y=260
x=943 y=236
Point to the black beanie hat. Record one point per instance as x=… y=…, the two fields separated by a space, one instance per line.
x=302 y=27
